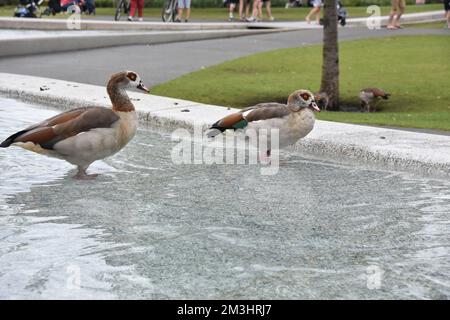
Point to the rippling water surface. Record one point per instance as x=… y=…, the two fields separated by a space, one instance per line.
x=147 y=228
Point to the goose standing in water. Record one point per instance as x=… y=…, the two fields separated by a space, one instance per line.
x=83 y=135
x=294 y=120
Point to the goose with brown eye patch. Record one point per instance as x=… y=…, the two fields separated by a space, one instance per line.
x=302 y=99
x=136 y=81
x=84 y=135
x=294 y=120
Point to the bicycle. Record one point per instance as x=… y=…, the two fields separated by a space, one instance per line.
x=122 y=6
x=28 y=9
x=169 y=10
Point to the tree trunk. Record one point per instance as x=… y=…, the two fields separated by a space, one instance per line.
x=330 y=66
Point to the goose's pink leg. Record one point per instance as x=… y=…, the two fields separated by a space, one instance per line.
x=264 y=158
x=82 y=175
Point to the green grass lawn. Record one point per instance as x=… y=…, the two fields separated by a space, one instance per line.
x=221 y=13
x=414 y=69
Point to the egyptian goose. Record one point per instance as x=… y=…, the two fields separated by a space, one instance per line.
x=370 y=96
x=84 y=135
x=294 y=120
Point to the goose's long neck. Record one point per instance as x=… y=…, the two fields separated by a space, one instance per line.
x=119 y=97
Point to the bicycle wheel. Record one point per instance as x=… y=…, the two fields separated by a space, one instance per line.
x=168 y=14
x=119 y=9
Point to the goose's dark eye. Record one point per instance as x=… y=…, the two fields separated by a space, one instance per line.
x=132 y=76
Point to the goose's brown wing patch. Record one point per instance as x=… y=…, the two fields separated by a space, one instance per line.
x=257 y=112
x=230 y=120
x=39 y=135
x=90 y=119
x=377 y=92
x=68 y=124
x=60 y=118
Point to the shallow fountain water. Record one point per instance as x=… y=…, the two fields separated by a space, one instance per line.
x=147 y=228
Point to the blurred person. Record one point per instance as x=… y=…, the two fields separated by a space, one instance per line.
x=65 y=4
x=257 y=11
x=54 y=6
x=447 y=12
x=140 y=7
x=268 y=9
x=90 y=6
x=397 y=9
x=293 y=4
x=247 y=7
x=232 y=6
x=317 y=5
x=182 y=6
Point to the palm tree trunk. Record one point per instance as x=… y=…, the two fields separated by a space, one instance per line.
x=330 y=66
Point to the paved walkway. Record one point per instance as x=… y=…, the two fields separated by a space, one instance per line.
x=160 y=63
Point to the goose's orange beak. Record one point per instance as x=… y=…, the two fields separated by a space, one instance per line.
x=142 y=87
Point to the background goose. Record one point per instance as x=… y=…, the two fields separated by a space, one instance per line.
x=370 y=96
x=294 y=120
x=84 y=135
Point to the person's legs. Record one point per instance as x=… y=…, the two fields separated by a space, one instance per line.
x=231 y=8
x=247 y=7
x=90 y=6
x=188 y=10
x=313 y=11
x=180 y=10
x=392 y=14
x=179 y=14
x=241 y=9
x=318 y=15
x=400 y=11
x=269 y=9
x=133 y=4
x=255 y=10
x=260 y=14
x=447 y=12
x=140 y=7
x=448 y=18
